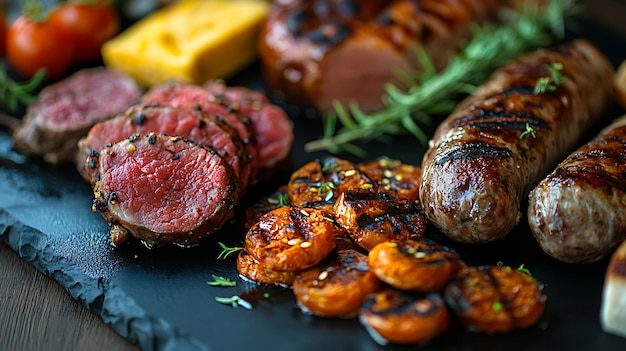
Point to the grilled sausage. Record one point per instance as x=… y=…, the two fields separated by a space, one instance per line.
x=578 y=212
x=494 y=148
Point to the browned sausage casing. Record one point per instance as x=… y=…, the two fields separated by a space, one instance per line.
x=481 y=164
x=578 y=212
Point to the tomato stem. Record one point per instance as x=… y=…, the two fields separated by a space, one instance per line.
x=33 y=9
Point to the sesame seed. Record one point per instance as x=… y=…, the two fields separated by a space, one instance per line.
x=420 y=254
x=293 y=241
x=366 y=186
x=304 y=212
x=305 y=244
x=387 y=173
x=350 y=172
x=323 y=275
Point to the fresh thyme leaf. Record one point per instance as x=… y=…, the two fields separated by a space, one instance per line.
x=221 y=281
x=529 y=131
x=226 y=251
x=434 y=95
x=280 y=200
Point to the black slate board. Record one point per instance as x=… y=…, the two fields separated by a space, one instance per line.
x=159 y=299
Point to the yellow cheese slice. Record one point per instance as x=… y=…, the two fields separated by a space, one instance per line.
x=188 y=41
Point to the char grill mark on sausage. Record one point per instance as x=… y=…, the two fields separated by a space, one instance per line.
x=473 y=151
x=481 y=165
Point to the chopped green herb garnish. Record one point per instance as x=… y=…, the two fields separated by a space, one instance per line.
x=221 y=281
x=226 y=251
x=551 y=83
x=496 y=306
x=280 y=200
x=529 y=131
x=327 y=190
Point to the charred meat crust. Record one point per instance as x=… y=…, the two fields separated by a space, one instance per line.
x=480 y=164
x=574 y=211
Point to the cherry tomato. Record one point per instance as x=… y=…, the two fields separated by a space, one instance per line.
x=89 y=24
x=32 y=45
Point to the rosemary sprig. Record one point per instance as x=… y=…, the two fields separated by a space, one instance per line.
x=13 y=93
x=435 y=93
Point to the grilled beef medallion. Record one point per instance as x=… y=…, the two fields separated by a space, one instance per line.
x=494 y=148
x=162 y=189
x=195 y=126
x=64 y=112
x=193 y=97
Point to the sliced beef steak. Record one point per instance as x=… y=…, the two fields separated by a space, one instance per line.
x=65 y=111
x=163 y=190
x=270 y=124
x=193 y=97
x=203 y=129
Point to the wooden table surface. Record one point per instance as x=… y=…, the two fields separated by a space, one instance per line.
x=36 y=313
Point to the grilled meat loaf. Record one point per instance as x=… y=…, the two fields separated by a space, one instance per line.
x=493 y=149
x=316 y=51
x=577 y=212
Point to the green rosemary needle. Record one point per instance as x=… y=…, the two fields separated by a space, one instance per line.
x=436 y=93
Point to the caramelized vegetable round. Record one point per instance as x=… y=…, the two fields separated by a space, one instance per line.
x=420 y=264
x=495 y=299
x=337 y=288
x=400 y=317
x=250 y=269
x=292 y=238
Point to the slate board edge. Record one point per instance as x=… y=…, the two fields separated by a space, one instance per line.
x=113 y=305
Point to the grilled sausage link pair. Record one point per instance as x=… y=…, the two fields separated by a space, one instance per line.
x=494 y=148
